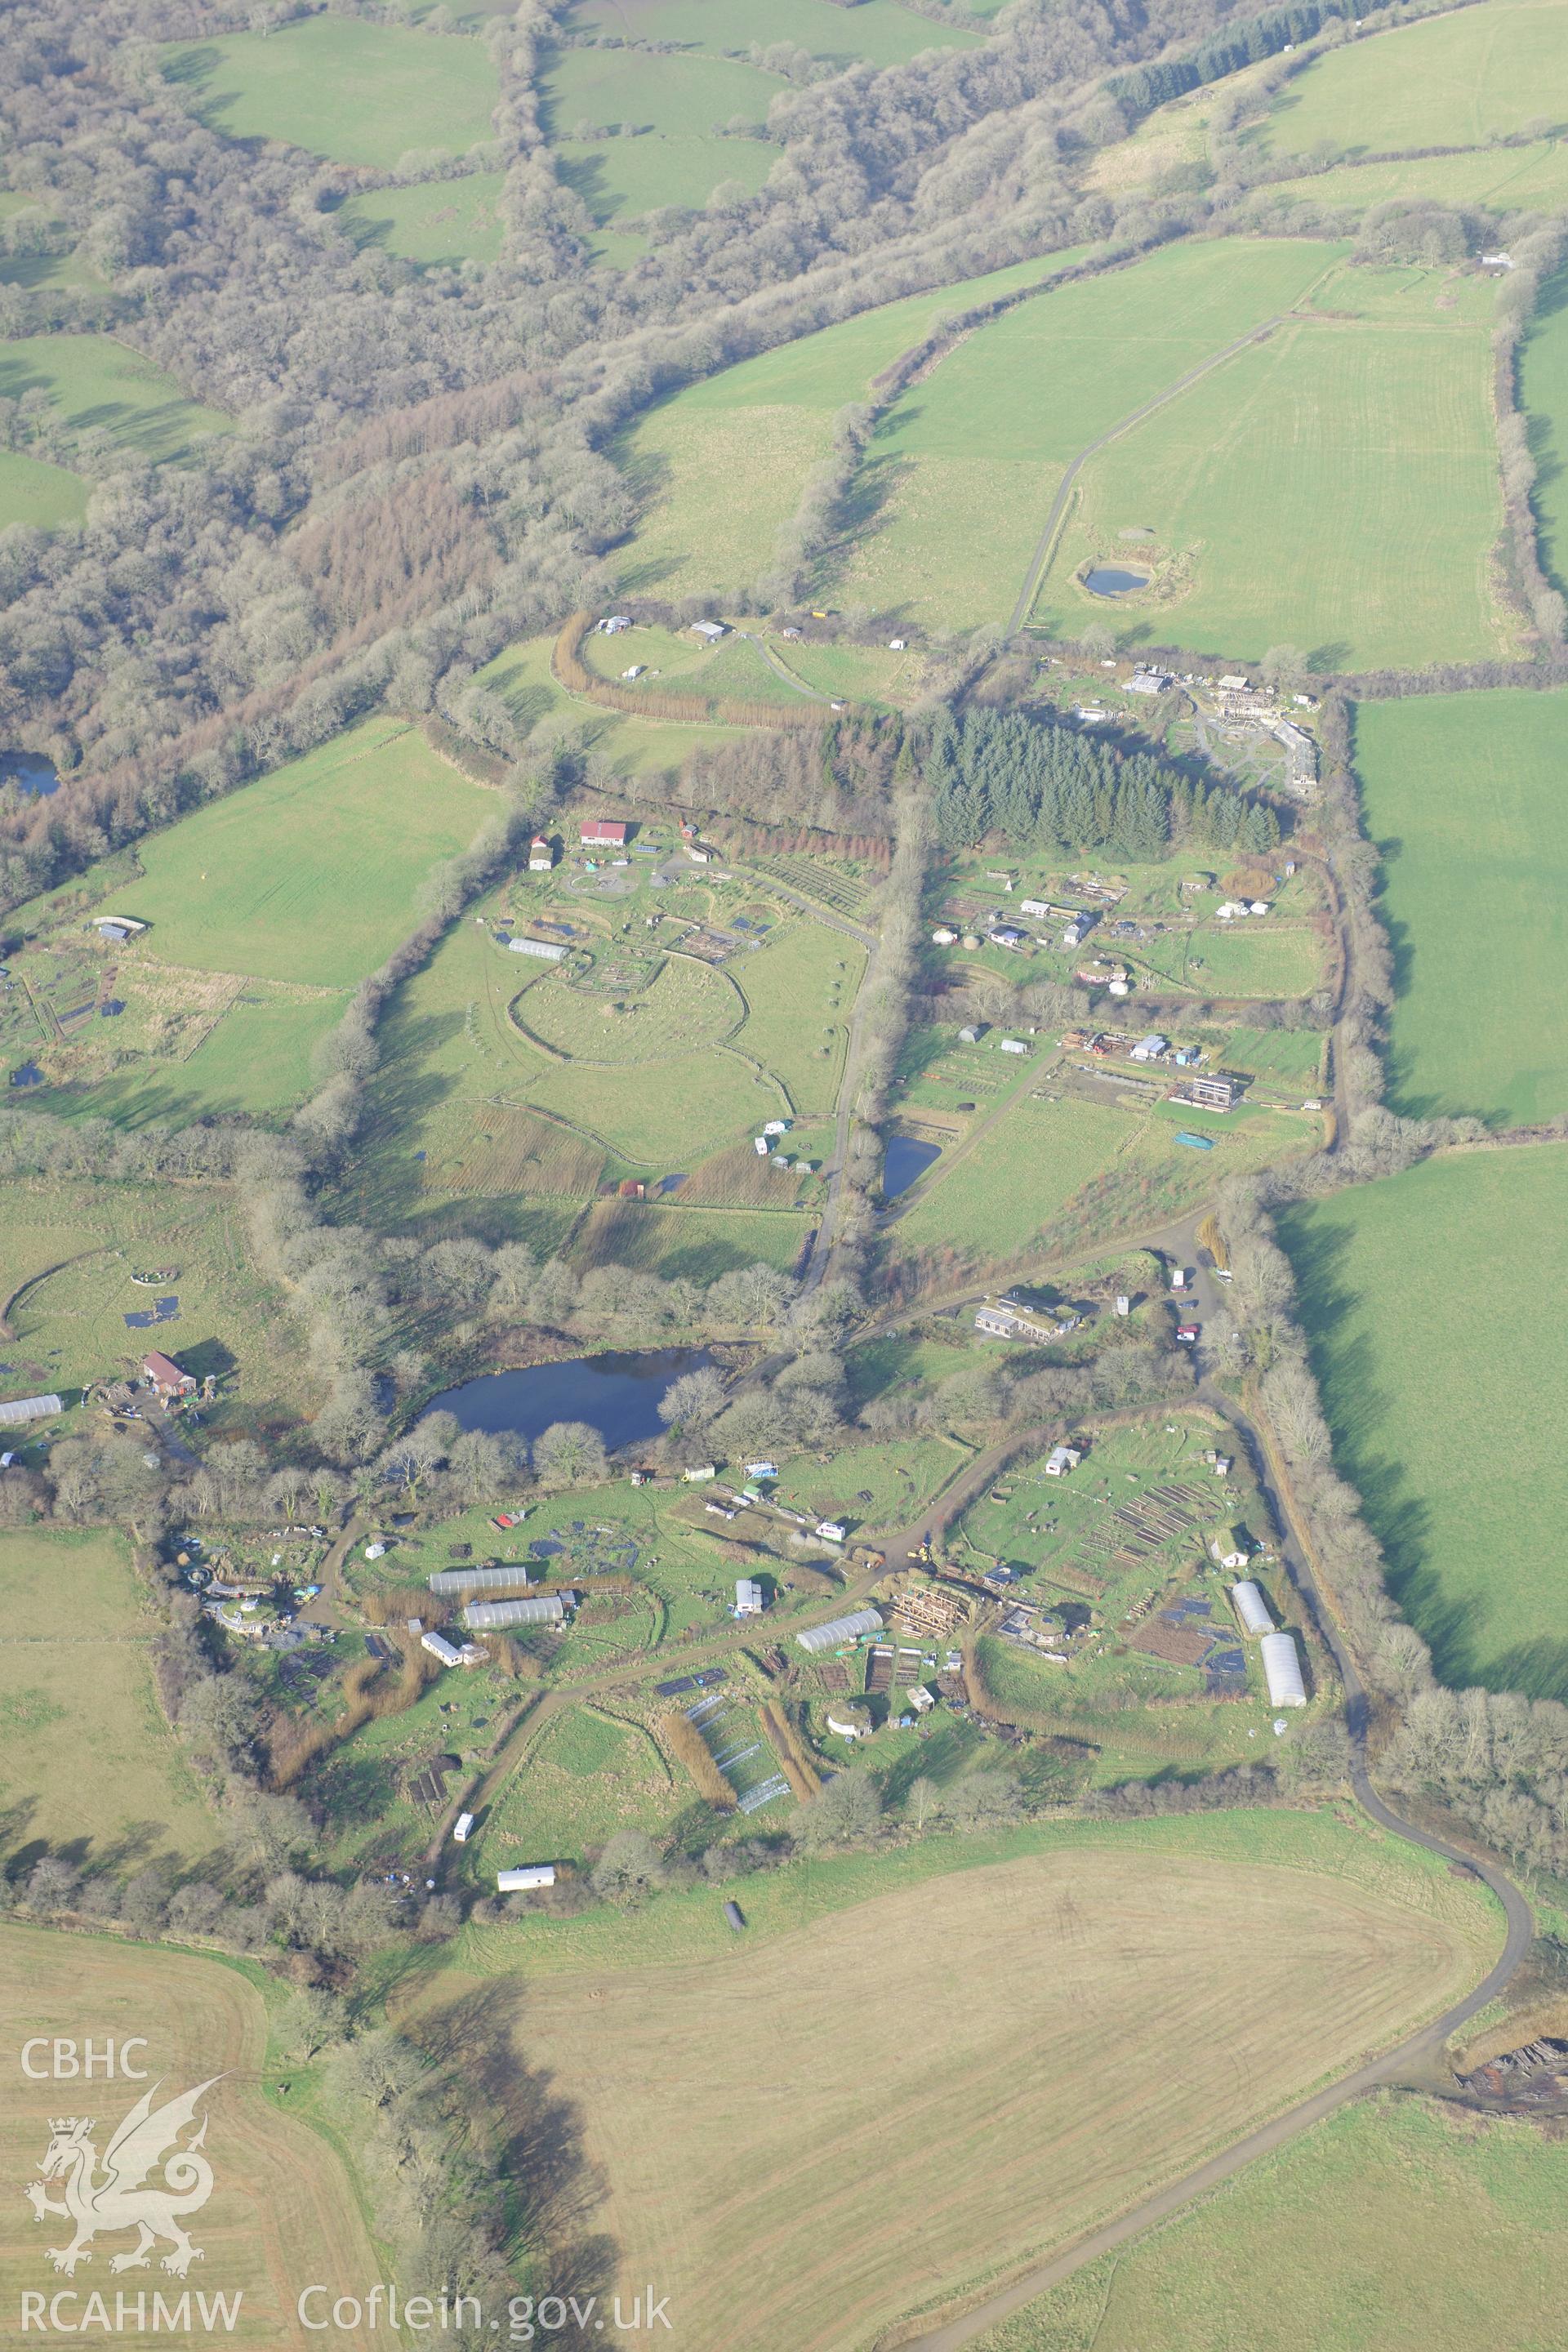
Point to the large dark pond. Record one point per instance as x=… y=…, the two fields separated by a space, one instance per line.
x=905 y=1160
x=1109 y=581
x=617 y=1394
x=34 y=773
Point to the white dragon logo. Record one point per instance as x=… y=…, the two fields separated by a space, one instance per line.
x=145 y=2139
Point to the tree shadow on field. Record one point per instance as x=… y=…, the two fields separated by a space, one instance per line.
x=1545 y=435
x=554 y=2192
x=859 y=511
x=1354 y=1402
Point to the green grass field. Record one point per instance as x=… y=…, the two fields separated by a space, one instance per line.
x=719 y=465
x=696 y=1243
x=1333 y=487
x=963 y=470
x=1428 y=1298
x=1238 y=959
x=1543 y=376
x=460 y=1083
x=355 y=92
x=87 y=1762
x=687 y=1006
x=621 y=179
x=587 y=1777
x=674 y=662
x=95 y=384
x=1398 y=2221
x=438 y=223
x=877 y=30
x=1504 y=179
x=1115 y=1170
x=310 y=873
x=88 y=1239
x=1455 y=80
x=875 y=1488
x=683 y=1109
x=798 y=1004
x=675 y=97
x=1463 y=794
x=630 y=743
x=255 y=1063
x=39 y=495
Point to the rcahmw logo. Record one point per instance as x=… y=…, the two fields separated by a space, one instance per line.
x=149 y=2179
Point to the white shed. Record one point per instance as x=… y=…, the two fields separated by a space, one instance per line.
x=1282 y=1670
x=1247 y=1599
x=1061 y=1459
x=518 y=1882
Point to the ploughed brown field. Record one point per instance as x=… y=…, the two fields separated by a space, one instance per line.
x=809 y=2135
x=282 y=2214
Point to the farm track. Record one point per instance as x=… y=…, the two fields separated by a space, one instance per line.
x=782 y=672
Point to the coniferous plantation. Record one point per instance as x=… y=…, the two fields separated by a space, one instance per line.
x=780 y=1173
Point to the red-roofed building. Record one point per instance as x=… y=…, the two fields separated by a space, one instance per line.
x=168 y=1380
x=599 y=834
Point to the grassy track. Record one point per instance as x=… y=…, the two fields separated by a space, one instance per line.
x=876 y=29
x=1445 y=1380
x=95 y=384
x=721 y=463
x=1334 y=488
x=440 y=222
x=358 y=93
x=1456 y=81
x=75 y=1678
x=311 y=874
x=1463 y=794
x=963 y=468
x=1435 y=2230
x=1031 y=1986
x=283 y=2214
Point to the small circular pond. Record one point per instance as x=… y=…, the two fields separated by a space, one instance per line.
x=1110 y=580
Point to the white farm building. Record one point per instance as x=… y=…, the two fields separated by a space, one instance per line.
x=1282 y=1670
x=839 y=1630
x=1247 y=1601
x=518 y=1882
